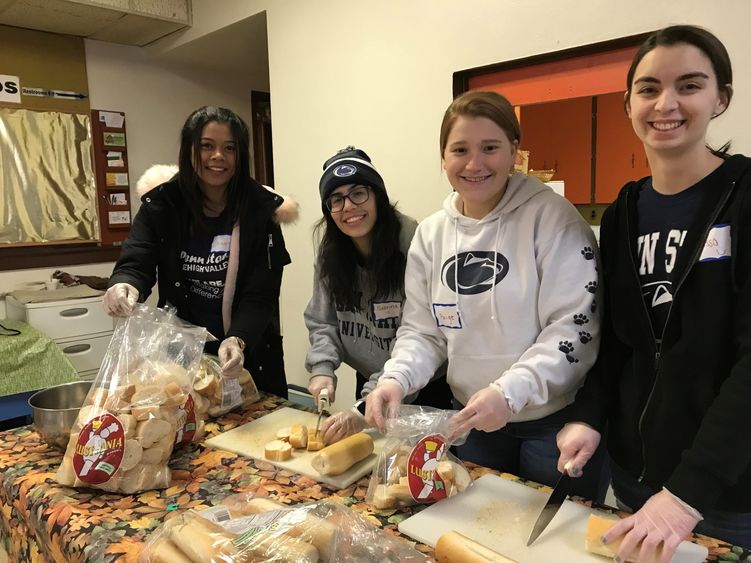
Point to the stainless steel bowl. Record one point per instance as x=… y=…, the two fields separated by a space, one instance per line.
x=55 y=409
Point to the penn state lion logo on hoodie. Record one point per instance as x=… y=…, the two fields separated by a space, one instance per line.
x=475 y=271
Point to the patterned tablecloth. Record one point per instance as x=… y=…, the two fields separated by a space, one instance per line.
x=30 y=360
x=42 y=521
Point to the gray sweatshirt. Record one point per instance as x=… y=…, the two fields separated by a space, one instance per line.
x=361 y=339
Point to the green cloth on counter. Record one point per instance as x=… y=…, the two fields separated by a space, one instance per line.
x=30 y=360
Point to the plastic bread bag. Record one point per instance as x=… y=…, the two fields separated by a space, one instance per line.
x=415 y=465
x=138 y=406
x=216 y=395
x=255 y=529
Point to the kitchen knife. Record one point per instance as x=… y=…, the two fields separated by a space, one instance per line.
x=551 y=507
x=323 y=407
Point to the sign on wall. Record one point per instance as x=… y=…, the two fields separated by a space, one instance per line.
x=10 y=89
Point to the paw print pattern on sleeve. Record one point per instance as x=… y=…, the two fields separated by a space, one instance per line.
x=567 y=347
x=585 y=337
x=580 y=319
x=588 y=253
x=591 y=287
x=593 y=306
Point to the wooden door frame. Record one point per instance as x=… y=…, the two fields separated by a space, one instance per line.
x=263 y=162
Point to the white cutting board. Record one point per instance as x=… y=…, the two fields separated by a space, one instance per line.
x=499 y=514
x=251 y=438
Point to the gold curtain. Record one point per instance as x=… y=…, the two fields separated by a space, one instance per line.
x=47 y=186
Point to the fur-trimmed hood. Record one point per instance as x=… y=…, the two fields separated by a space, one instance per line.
x=288 y=212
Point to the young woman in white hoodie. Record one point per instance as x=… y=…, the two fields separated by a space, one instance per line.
x=503 y=283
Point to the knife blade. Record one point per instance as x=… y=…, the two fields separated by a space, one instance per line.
x=323 y=407
x=552 y=505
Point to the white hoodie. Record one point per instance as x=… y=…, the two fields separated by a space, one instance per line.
x=526 y=318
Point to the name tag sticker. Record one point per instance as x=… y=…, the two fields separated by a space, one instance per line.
x=220 y=243
x=387 y=310
x=717 y=246
x=447 y=315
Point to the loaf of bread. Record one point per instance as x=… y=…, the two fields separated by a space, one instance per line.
x=454 y=547
x=596 y=527
x=217 y=395
x=395 y=491
x=312 y=529
x=143 y=420
x=340 y=456
x=164 y=551
x=201 y=540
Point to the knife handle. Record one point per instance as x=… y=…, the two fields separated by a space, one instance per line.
x=323 y=400
x=566 y=468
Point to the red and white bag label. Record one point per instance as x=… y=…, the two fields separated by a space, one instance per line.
x=425 y=485
x=99 y=449
x=186 y=421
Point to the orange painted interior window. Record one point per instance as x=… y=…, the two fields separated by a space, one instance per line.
x=554 y=103
x=587 y=75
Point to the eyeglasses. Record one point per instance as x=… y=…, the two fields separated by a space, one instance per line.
x=357 y=196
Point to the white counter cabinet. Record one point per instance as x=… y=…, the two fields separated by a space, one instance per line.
x=80 y=327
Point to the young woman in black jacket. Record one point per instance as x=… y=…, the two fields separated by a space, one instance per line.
x=673 y=378
x=210 y=237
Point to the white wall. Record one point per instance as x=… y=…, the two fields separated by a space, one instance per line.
x=379 y=75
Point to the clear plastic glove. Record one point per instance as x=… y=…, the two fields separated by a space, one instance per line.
x=487 y=410
x=577 y=442
x=120 y=300
x=342 y=424
x=387 y=396
x=231 y=358
x=664 y=521
x=317 y=383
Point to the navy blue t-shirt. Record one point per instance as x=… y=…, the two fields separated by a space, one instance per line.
x=663 y=223
x=204 y=261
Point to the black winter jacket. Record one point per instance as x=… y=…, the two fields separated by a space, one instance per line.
x=152 y=253
x=680 y=417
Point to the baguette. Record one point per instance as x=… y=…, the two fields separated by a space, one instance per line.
x=202 y=541
x=596 y=527
x=340 y=456
x=298 y=436
x=164 y=551
x=453 y=547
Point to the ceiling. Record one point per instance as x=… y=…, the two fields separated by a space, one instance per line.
x=130 y=22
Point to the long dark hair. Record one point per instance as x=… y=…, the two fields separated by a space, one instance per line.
x=708 y=44
x=238 y=194
x=338 y=257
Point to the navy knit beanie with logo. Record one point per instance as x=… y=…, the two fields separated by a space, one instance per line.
x=348 y=166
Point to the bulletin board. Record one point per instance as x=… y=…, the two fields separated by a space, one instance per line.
x=110 y=144
x=48 y=70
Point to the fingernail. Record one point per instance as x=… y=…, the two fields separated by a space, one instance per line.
x=603 y=541
x=617 y=559
x=576 y=471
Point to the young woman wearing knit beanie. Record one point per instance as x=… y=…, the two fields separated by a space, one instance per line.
x=358 y=286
